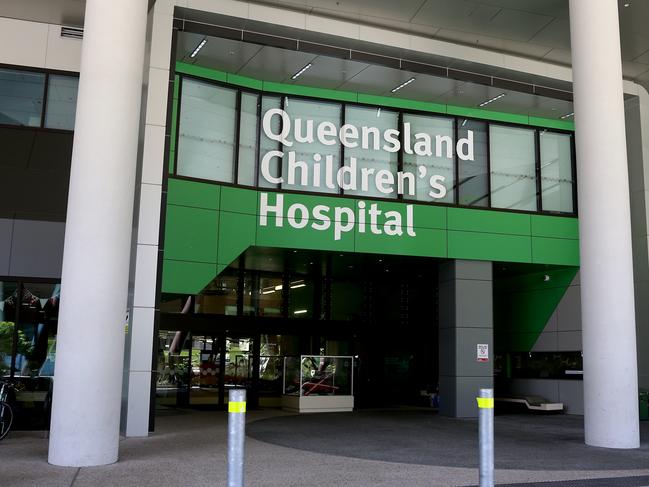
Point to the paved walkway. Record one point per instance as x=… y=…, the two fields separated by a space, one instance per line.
x=368 y=448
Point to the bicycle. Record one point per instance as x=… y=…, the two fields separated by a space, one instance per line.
x=6 y=413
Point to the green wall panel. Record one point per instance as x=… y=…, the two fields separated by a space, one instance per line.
x=193 y=193
x=427 y=243
x=244 y=81
x=523 y=304
x=552 y=123
x=306 y=238
x=488 y=221
x=237 y=232
x=191 y=234
x=489 y=246
x=555 y=227
x=428 y=216
x=238 y=200
x=186 y=277
x=555 y=251
x=215 y=224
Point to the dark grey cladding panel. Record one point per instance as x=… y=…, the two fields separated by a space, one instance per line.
x=315 y=48
x=6 y=230
x=552 y=93
x=269 y=40
x=52 y=152
x=212 y=30
x=37 y=248
x=16 y=146
x=35 y=168
x=507 y=84
x=366 y=57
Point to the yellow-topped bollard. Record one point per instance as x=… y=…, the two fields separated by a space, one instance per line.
x=236 y=436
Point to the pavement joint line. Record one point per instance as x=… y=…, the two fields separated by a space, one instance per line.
x=626 y=481
x=76 y=474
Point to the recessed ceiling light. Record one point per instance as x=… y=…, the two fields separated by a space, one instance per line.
x=198 y=48
x=405 y=83
x=299 y=73
x=567 y=115
x=491 y=100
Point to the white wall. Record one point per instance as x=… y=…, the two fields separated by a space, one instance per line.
x=37 y=45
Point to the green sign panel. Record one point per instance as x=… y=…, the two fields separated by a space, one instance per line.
x=208 y=226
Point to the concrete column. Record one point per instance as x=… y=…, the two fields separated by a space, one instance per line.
x=465 y=320
x=607 y=302
x=90 y=343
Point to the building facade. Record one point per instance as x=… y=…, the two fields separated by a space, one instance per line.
x=285 y=183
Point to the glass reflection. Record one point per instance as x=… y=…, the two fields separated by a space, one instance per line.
x=21 y=97
x=61 y=102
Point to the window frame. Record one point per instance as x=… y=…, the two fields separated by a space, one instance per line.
x=47 y=73
x=400 y=112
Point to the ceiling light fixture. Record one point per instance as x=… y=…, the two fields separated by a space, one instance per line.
x=198 y=48
x=405 y=83
x=299 y=73
x=491 y=100
x=300 y=311
x=567 y=115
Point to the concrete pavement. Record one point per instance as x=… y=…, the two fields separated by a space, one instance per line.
x=189 y=448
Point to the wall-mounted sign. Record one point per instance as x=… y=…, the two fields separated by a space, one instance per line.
x=287 y=167
x=279 y=126
x=483 y=352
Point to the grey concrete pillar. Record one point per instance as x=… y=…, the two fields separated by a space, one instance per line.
x=465 y=321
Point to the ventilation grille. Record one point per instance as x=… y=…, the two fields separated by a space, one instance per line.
x=73 y=32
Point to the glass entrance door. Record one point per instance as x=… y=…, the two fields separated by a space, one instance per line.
x=206 y=377
x=239 y=364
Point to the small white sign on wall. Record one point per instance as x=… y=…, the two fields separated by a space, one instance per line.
x=483 y=352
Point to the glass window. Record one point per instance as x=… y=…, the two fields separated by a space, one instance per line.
x=61 y=102
x=269 y=302
x=556 y=172
x=207 y=130
x=219 y=297
x=346 y=300
x=364 y=118
x=513 y=170
x=8 y=301
x=300 y=298
x=248 y=138
x=306 y=116
x=266 y=145
x=436 y=138
x=473 y=186
x=21 y=97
